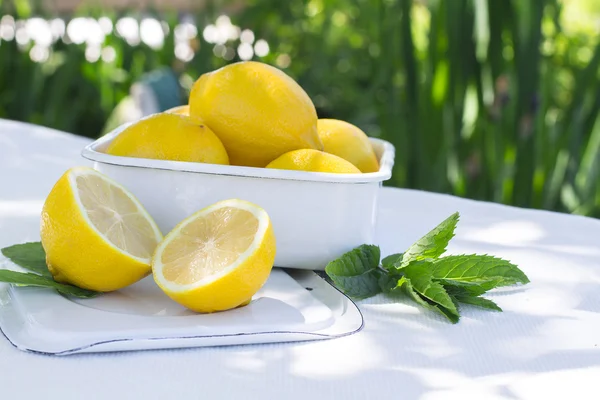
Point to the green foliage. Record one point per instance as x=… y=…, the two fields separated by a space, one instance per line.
x=434 y=282
x=487 y=99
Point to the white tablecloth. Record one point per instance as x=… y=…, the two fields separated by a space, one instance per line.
x=545 y=345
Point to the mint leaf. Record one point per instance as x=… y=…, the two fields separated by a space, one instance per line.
x=471 y=288
x=433 y=244
x=487 y=271
x=478 y=302
x=387 y=283
x=29 y=279
x=357 y=273
x=420 y=279
x=410 y=291
x=392 y=262
x=30 y=256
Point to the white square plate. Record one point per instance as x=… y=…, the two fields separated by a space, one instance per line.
x=292 y=306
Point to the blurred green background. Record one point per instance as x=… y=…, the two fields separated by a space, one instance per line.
x=488 y=99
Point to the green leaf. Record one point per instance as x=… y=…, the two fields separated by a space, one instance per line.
x=420 y=278
x=29 y=279
x=409 y=290
x=472 y=288
x=357 y=272
x=393 y=261
x=478 y=302
x=387 y=282
x=487 y=271
x=30 y=256
x=433 y=244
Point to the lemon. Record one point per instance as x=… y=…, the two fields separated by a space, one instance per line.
x=181 y=110
x=313 y=161
x=170 y=137
x=217 y=258
x=257 y=111
x=95 y=233
x=349 y=142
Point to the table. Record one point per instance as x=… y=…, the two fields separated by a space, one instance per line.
x=545 y=345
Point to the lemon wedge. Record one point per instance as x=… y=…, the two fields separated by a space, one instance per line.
x=217 y=258
x=95 y=233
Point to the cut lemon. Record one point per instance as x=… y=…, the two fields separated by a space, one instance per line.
x=217 y=258
x=95 y=233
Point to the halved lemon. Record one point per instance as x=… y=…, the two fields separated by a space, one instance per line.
x=95 y=233
x=217 y=258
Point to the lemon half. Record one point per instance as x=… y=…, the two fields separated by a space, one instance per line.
x=217 y=258
x=95 y=233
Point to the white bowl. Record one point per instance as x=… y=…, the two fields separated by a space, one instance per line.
x=316 y=216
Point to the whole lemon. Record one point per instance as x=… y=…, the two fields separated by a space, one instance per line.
x=313 y=161
x=257 y=111
x=169 y=136
x=181 y=110
x=349 y=142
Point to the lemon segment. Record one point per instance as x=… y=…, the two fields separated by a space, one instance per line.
x=172 y=137
x=313 y=161
x=95 y=233
x=257 y=111
x=348 y=142
x=217 y=258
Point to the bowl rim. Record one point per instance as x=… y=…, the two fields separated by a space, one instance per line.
x=93 y=153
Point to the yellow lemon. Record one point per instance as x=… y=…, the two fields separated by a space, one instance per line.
x=181 y=110
x=95 y=233
x=170 y=137
x=217 y=258
x=313 y=161
x=349 y=142
x=257 y=111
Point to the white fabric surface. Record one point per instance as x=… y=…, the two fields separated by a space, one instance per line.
x=545 y=345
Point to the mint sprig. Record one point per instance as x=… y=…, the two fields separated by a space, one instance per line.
x=31 y=256
x=438 y=283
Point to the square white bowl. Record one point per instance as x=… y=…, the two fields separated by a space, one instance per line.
x=316 y=216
